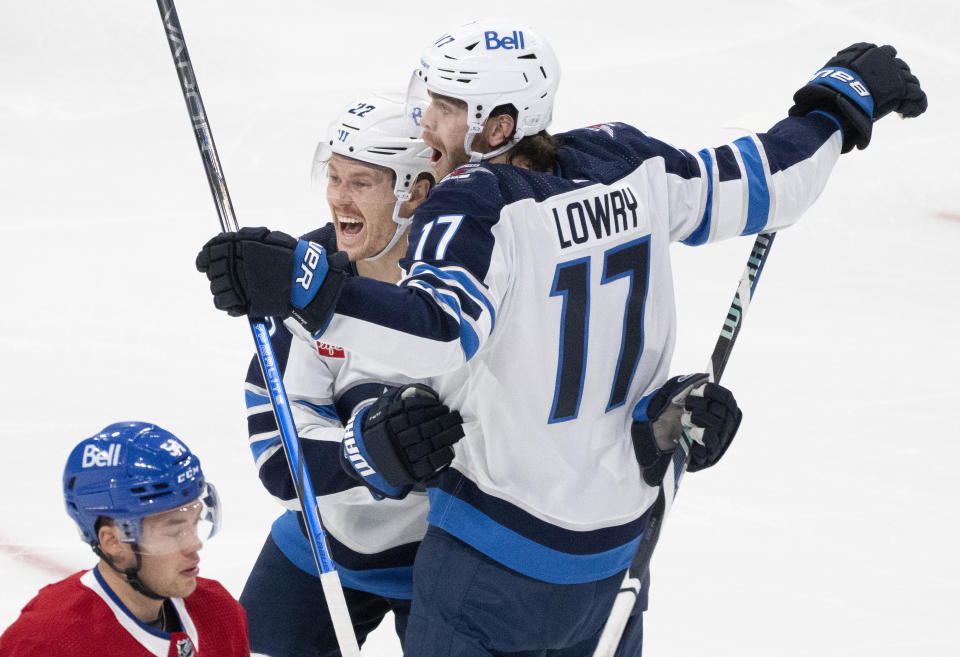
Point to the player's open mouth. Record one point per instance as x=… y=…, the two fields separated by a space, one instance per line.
x=435 y=157
x=350 y=225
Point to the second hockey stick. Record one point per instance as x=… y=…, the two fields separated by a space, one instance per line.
x=620 y=614
x=329 y=578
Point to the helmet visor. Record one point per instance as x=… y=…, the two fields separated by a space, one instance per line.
x=181 y=528
x=318 y=171
x=418 y=99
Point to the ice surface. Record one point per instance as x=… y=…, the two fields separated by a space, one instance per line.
x=831 y=527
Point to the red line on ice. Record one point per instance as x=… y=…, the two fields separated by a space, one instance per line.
x=949 y=215
x=20 y=553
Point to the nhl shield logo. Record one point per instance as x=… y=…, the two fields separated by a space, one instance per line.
x=185 y=648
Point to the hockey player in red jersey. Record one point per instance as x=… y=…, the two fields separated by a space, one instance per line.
x=141 y=502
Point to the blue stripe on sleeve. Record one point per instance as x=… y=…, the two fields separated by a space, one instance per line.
x=464 y=281
x=327 y=411
x=758 y=211
x=469 y=340
x=467 y=303
x=253 y=399
x=261 y=446
x=702 y=232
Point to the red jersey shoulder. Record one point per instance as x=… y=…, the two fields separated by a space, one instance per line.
x=221 y=621
x=60 y=598
x=210 y=591
x=58 y=614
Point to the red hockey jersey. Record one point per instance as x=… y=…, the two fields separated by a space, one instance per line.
x=82 y=617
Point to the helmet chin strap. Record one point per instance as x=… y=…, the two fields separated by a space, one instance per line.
x=480 y=157
x=402 y=225
x=132 y=575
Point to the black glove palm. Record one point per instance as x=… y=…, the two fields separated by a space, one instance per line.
x=859 y=85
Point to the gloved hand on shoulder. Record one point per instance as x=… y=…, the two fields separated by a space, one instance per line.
x=402 y=439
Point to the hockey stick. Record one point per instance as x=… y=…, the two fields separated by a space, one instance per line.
x=630 y=589
x=329 y=578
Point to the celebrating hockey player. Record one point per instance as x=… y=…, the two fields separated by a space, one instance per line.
x=376 y=171
x=538 y=297
x=141 y=502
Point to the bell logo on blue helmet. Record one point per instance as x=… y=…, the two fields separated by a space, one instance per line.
x=94 y=457
x=130 y=470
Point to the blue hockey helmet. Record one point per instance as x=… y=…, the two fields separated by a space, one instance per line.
x=130 y=470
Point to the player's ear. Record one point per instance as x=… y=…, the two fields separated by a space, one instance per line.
x=109 y=539
x=418 y=194
x=499 y=129
x=421 y=188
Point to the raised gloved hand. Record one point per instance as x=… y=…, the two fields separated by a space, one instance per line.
x=707 y=410
x=859 y=85
x=264 y=273
x=402 y=439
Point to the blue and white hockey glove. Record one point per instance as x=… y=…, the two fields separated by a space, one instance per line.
x=859 y=85
x=400 y=440
x=707 y=410
x=264 y=273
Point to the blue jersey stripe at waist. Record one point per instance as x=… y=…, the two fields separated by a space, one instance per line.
x=388 y=573
x=531 y=552
x=511 y=517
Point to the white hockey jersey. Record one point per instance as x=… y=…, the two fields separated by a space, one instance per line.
x=373 y=543
x=543 y=307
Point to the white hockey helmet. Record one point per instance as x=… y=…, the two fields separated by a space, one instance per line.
x=488 y=63
x=377 y=129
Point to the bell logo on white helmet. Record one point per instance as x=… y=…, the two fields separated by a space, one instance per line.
x=514 y=42
x=486 y=64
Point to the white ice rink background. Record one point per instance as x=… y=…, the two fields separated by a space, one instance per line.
x=831 y=526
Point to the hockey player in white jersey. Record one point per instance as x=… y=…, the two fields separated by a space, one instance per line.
x=375 y=171
x=540 y=302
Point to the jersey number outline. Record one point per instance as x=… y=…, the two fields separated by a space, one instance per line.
x=571 y=281
x=453 y=224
